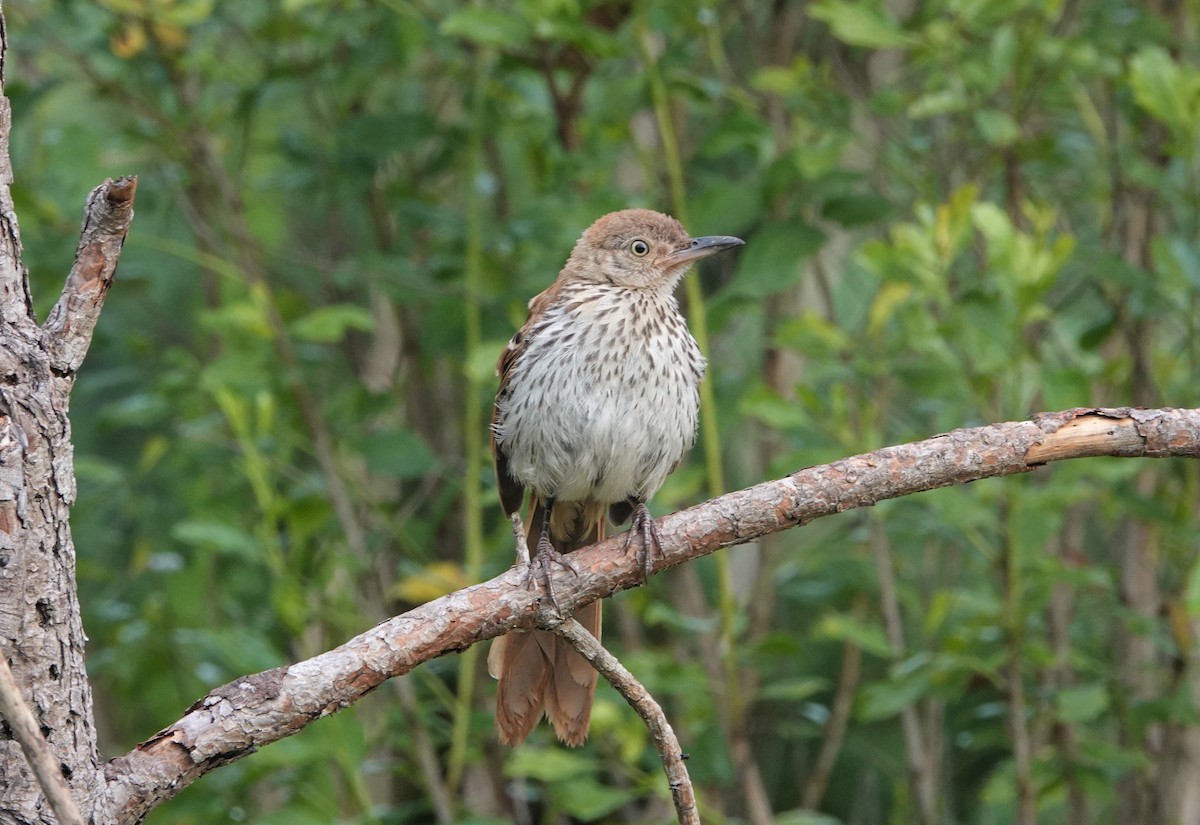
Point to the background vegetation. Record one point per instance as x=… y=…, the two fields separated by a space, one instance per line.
x=956 y=212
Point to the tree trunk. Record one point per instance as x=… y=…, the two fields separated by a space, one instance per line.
x=41 y=634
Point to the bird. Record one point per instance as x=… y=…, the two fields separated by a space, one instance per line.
x=598 y=403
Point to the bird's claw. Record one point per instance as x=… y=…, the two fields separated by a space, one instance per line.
x=644 y=527
x=539 y=568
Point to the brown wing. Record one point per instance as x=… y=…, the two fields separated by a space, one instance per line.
x=512 y=492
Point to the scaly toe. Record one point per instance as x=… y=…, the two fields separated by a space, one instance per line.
x=643 y=527
x=539 y=567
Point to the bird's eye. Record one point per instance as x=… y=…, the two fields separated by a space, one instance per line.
x=639 y=248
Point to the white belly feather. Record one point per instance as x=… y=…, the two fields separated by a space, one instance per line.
x=636 y=416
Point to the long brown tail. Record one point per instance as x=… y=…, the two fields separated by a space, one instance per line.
x=538 y=671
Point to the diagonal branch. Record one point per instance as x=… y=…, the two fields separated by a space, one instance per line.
x=635 y=693
x=248 y=713
x=67 y=332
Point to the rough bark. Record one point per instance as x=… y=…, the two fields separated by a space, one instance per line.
x=41 y=635
x=25 y=729
x=40 y=630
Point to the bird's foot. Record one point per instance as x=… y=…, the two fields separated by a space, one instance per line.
x=644 y=527
x=539 y=568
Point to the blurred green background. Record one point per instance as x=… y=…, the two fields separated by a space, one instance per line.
x=956 y=212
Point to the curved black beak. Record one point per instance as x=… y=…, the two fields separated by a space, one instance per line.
x=702 y=248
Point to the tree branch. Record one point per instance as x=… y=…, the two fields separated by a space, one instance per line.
x=238 y=718
x=67 y=332
x=683 y=795
x=833 y=733
x=635 y=693
x=25 y=730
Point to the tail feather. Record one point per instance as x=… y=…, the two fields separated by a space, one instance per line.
x=519 y=661
x=539 y=672
x=570 y=692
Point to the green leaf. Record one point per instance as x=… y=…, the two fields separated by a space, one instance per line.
x=861 y=24
x=777 y=80
x=216 y=535
x=137 y=410
x=587 y=799
x=329 y=324
x=726 y=210
x=481 y=364
x=430 y=581
x=773 y=258
x=660 y=614
x=1163 y=89
x=994 y=224
x=769 y=408
x=856 y=210
x=883 y=700
x=1192 y=591
x=936 y=103
x=997 y=128
x=1003 y=53
x=888 y=300
x=803 y=817
x=396 y=454
x=814 y=335
x=548 y=765
x=794 y=690
x=869 y=637
x=90 y=469
x=1080 y=704
x=487 y=27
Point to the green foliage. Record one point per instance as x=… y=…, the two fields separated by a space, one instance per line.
x=955 y=213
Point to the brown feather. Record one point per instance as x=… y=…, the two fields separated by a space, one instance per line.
x=519 y=661
x=570 y=693
x=538 y=672
x=512 y=492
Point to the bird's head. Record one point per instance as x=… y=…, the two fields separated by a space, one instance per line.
x=641 y=249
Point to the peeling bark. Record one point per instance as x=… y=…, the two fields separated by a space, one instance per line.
x=40 y=629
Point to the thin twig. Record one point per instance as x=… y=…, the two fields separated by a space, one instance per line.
x=834 y=733
x=37 y=750
x=918 y=751
x=425 y=754
x=639 y=698
x=522 y=546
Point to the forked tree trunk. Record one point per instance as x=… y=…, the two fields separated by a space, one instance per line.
x=41 y=634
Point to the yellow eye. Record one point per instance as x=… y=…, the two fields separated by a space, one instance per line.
x=640 y=248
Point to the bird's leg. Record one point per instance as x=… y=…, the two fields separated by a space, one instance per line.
x=643 y=526
x=539 y=566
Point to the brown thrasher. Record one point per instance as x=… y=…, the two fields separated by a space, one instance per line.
x=598 y=402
